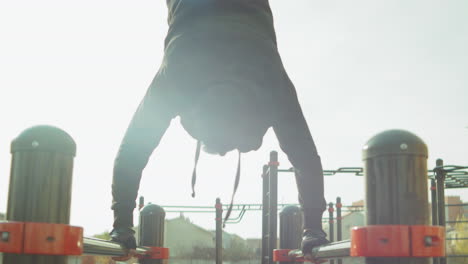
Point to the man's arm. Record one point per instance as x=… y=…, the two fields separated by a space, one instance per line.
x=296 y=141
x=143 y=135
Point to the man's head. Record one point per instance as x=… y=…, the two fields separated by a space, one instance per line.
x=226 y=118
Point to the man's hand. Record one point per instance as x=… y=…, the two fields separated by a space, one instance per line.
x=310 y=240
x=126 y=238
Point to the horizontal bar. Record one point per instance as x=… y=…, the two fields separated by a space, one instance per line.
x=462 y=204
x=184 y=211
x=99 y=247
x=456 y=238
x=334 y=250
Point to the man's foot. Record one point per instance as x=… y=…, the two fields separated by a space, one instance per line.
x=312 y=238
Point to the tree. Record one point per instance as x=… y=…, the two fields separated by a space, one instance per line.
x=104 y=235
x=459 y=247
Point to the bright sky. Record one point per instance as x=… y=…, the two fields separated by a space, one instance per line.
x=360 y=67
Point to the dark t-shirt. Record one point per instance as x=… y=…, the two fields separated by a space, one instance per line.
x=222 y=70
x=248 y=15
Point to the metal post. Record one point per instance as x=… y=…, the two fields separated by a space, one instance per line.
x=290 y=228
x=435 y=215
x=273 y=202
x=331 y=228
x=395 y=164
x=440 y=182
x=339 y=230
x=265 y=208
x=40 y=183
x=151 y=229
x=219 y=231
x=434 y=203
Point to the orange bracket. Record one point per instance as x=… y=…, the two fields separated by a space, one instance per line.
x=381 y=241
x=284 y=255
x=274 y=163
x=11 y=237
x=155 y=253
x=40 y=238
x=398 y=241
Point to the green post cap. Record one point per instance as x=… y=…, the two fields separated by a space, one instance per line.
x=46 y=139
x=152 y=209
x=394 y=142
x=290 y=210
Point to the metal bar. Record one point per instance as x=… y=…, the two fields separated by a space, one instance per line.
x=273 y=204
x=265 y=206
x=339 y=227
x=435 y=217
x=219 y=231
x=440 y=178
x=338 y=249
x=435 y=209
x=331 y=230
x=454 y=222
x=99 y=247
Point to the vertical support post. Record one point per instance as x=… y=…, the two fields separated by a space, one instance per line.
x=151 y=229
x=40 y=183
x=273 y=202
x=290 y=228
x=331 y=227
x=435 y=215
x=440 y=185
x=339 y=227
x=395 y=166
x=265 y=208
x=219 y=231
x=434 y=203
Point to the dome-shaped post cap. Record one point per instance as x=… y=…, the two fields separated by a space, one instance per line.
x=44 y=138
x=394 y=142
x=290 y=210
x=152 y=209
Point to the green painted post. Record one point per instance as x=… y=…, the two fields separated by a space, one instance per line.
x=273 y=205
x=151 y=229
x=395 y=166
x=290 y=228
x=40 y=183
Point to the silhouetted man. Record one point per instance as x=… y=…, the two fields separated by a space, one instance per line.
x=223 y=76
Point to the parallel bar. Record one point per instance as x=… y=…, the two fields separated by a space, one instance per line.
x=338 y=249
x=99 y=247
